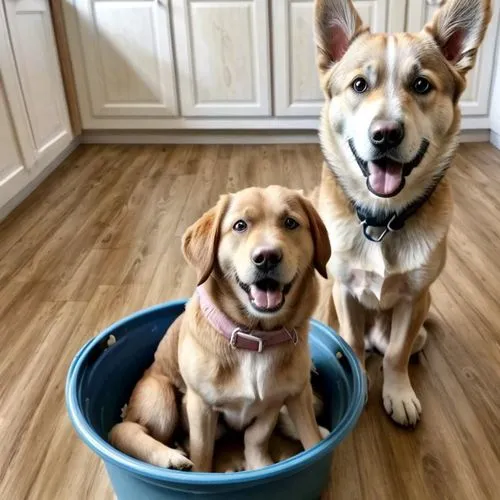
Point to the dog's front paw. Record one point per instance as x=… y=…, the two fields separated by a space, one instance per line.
x=324 y=432
x=258 y=461
x=239 y=467
x=173 y=459
x=402 y=404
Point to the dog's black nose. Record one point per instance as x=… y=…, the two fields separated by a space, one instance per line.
x=266 y=258
x=386 y=134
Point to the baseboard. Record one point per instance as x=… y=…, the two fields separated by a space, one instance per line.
x=200 y=137
x=474 y=136
x=6 y=209
x=495 y=139
x=226 y=136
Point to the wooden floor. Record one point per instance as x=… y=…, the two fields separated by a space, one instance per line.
x=101 y=239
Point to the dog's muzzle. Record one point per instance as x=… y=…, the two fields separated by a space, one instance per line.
x=385 y=177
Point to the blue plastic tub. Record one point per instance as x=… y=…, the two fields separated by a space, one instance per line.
x=101 y=379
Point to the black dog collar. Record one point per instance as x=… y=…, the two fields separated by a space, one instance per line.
x=388 y=222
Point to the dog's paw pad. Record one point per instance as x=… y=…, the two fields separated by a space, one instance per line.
x=402 y=405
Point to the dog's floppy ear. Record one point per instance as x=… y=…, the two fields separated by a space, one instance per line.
x=201 y=240
x=322 y=250
x=336 y=23
x=458 y=28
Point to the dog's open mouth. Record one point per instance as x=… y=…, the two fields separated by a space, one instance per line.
x=266 y=295
x=385 y=177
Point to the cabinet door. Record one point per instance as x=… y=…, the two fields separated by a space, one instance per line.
x=222 y=52
x=16 y=144
x=127 y=57
x=13 y=169
x=296 y=82
x=31 y=34
x=474 y=100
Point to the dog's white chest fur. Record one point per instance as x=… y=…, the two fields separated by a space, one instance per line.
x=248 y=392
x=375 y=290
x=377 y=281
x=251 y=392
x=254 y=377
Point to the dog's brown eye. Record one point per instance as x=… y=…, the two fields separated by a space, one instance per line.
x=421 y=85
x=240 y=226
x=360 y=85
x=291 y=223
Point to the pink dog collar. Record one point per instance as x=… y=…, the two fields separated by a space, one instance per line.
x=239 y=337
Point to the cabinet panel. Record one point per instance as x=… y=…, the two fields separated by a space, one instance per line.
x=14 y=110
x=222 y=50
x=127 y=50
x=11 y=161
x=474 y=100
x=33 y=44
x=16 y=142
x=296 y=85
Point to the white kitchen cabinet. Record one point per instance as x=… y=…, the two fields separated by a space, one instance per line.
x=475 y=99
x=296 y=84
x=122 y=58
x=32 y=39
x=34 y=121
x=156 y=65
x=222 y=50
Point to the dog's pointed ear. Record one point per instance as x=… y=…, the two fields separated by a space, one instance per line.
x=201 y=240
x=322 y=249
x=336 y=23
x=459 y=28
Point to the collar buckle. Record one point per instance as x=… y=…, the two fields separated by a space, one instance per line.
x=293 y=335
x=238 y=332
x=388 y=229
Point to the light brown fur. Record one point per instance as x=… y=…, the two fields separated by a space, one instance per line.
x=379 y=293
x=194 y=362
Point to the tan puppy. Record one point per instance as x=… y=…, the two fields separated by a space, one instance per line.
x=388 y=132
x=240 y=351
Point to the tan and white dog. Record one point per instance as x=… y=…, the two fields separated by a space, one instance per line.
x=239 y=352
x=388 y=133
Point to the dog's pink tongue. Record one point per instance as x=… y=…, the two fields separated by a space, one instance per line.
x=265 y=299
x=385 y=180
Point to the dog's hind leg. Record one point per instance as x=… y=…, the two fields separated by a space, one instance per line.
x=134 y=440
x=420 y=341
x=149 y=425
x=378 y=335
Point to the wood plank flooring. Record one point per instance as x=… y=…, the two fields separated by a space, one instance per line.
x=100 y=239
